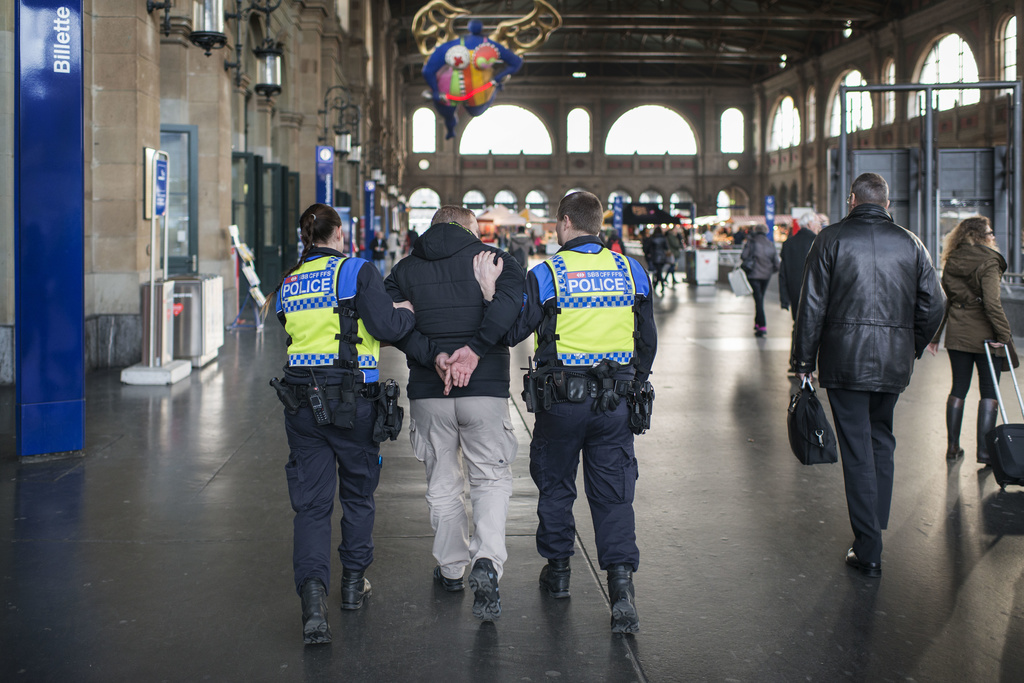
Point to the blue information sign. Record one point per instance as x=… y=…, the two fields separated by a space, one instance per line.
x=617 y=214
x=769 y=214
x=371 y=191
x=49 y=240
x=160 y=189
x=325 y=175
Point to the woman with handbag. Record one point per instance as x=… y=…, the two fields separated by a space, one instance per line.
x=972 y=268
x=759 y=260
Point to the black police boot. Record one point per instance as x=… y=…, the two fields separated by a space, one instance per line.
x=622 y=596
x=987 y=408
x=315 y=629
x=483 y=581
x=554 y=578
x=354 y=587
x=954 y=418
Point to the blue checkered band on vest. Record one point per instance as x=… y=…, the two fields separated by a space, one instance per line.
x=367 y=362
x=565 y=301
x=292 y=305
x=589 y=359
x=313 y=358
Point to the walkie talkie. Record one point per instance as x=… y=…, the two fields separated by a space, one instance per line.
x=321 y=413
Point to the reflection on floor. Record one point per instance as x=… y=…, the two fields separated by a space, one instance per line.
x=164 y=553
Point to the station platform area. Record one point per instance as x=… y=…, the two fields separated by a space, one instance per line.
x=164 y=552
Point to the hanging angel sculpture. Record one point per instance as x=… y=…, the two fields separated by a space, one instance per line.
x=461 y=70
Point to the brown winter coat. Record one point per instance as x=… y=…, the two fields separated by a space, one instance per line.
x=973 y=310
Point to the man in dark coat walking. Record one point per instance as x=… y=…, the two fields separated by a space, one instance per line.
x=869 y=305
x=794 y=253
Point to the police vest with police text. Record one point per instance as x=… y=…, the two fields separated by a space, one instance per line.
x=319 y=317
x=595 y=294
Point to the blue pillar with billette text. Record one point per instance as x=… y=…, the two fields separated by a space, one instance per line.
x=370 y=191
x=49 y=275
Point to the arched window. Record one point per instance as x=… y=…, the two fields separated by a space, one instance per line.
x=811 y=114
x=785 y=125
x=423 y=203
x=729 y=200
x=575 y=189
x=859 y=113
x=949 y=61
x=732 y=132
x=652 y=197
x=680 y=197
x=424 y=131
x=626 y=197
x=506 y=199
x=475 y=201
x=577 y=131
x=1009 y=51
x=537 y=202
x=889 y=98
x=794 y=195
x=521 y=132
x=650 y=129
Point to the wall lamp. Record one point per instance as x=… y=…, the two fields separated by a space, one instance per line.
x=208 y=21
x=166 y=7
x=349 y=116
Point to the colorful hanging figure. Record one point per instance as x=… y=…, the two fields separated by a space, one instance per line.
x=462 y=70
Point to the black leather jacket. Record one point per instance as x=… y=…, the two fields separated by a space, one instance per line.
x=869 y=304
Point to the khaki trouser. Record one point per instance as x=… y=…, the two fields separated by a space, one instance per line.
x=481 y=426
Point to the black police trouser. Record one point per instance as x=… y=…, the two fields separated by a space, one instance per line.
x=315 y=451
x=864 y=430
x=609 y=475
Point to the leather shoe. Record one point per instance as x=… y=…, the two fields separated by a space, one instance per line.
x=354 y=588
x=315 y=629
x=483 y=581
x=554 y=578
x=870 y=569
x=450 y=585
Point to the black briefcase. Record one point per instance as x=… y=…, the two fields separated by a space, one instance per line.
x=810 y=435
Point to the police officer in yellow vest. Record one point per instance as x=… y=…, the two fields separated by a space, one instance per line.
x=335 y=310
x=595 y=341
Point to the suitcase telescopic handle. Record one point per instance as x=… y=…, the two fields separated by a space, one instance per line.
x=995 y=381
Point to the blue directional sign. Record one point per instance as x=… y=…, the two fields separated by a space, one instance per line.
x=160 y=190
x=370 y=192
x=325 y=175
x=769 y=214
x=49 y=278
x=617 y=214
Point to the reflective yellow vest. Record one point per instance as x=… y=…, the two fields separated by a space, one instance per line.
x=317 y=302
x=595 y=296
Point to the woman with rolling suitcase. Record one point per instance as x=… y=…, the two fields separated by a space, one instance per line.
x=972 y=268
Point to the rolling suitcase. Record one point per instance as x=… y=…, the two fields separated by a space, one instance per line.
x=1006 y=442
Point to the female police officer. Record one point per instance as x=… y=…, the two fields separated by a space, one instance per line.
x=334 y=310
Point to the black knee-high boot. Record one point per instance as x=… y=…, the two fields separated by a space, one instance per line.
x=987 y=408
x=954 y=418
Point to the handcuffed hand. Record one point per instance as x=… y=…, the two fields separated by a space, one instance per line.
x=407 y=305
x=461 y=365
x=487 y=266
x=442 y=367
x=933 y=348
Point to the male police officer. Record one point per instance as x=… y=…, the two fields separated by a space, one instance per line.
x=596 y=340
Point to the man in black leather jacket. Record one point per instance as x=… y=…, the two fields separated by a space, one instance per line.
x=869 y=305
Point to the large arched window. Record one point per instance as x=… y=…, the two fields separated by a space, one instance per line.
x=507 y=199
x=949 y=61
x=652 y=197
x=1009 y=51
x=859 y=113
x=537 y=202
x=423 y=203
x=680 y=197
x=732 y=132
x=731 y=199
x=577 y=131
x=626 y=197
x=424 y=131
x=650 y=129
x=475 y=201
x=811 y=115
x=785 y=125
x=520 y=132
x=889 y=98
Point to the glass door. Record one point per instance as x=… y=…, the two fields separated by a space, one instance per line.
x=182 y=146
x=269 y=222
x=290 y=227
x=244 y=191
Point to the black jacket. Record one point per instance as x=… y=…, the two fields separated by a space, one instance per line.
x=759 y=259
x=791 y=268
x=437 y=277
x=869 y=304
